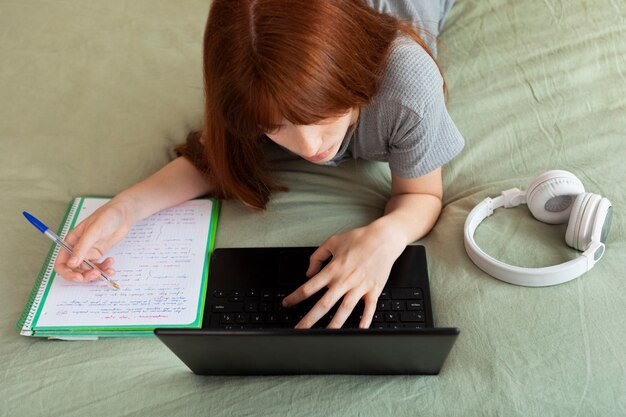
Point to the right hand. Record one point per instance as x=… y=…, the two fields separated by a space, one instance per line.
x=91 y=239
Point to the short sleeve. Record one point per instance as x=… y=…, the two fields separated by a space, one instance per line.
x=424 y=15
x=422 y=144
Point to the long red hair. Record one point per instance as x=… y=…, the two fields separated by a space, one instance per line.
x=302 y=60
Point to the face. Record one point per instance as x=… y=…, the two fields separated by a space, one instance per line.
x=318 y=142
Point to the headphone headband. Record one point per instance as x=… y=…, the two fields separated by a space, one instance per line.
x=531 y=277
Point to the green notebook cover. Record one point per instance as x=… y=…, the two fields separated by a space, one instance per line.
x=30 y=324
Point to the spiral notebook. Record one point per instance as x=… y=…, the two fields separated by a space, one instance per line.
x=162 y=266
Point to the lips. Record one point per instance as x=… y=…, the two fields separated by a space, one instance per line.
x=320 y=156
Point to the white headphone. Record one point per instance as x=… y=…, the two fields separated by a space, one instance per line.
x=552 y=197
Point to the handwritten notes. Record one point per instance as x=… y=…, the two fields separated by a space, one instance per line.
x=160 y=269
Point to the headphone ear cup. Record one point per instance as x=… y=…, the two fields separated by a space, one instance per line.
x=571 y=235
x=550 y=195
x=582 y=220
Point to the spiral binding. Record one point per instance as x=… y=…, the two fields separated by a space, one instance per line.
x=25 y=322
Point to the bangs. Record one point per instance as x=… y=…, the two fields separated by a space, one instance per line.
x=273 y=66
x=261 y=109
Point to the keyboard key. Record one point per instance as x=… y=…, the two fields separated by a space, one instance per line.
x=413 y=325
x=287 y=318
x=391 y=317
x=228 y=308
x=227 y=318
x=411 y=316
x=251 y=307
x=383 y=306
x=397 y=305
x=415 y=305
x=406 y=294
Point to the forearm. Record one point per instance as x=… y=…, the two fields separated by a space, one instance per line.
x=409 y=217
x=173 y=184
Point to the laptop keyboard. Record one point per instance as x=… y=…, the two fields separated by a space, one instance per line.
x=397 y=308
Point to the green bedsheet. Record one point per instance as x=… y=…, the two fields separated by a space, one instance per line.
x=93 y=94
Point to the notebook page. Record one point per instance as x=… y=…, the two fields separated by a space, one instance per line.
x=159 y=268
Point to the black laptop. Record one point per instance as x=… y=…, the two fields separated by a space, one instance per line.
x=247 y=331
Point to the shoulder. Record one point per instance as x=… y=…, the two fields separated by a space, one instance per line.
x=410 y=79
x=411 y=84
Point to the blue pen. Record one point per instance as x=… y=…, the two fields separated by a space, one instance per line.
x=46 y=231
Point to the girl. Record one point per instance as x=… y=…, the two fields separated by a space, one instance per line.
x=329 y=80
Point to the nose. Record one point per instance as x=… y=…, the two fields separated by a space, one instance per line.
x=308 y=140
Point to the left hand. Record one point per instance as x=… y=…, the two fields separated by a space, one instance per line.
x=361 y=263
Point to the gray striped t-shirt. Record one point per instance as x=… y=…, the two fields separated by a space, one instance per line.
x=406 y=123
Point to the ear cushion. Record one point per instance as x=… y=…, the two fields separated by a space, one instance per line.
x=550 y=195
x=571 y=235
x=602 y=221
x=582 y=220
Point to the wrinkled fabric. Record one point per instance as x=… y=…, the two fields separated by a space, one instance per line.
x=94 y=95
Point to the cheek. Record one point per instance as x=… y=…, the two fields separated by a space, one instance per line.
x=335 y=133
x=282 y=139
x=276 y=137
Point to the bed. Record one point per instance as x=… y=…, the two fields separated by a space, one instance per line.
x=94 y=95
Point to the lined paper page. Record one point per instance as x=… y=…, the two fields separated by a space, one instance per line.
x=159 y=268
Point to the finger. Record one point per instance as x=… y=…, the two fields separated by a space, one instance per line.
x=91 y=274
x=61 y=268
x=306 y=290
x=106 y=264
x=78 y=273
x=83 y=249
x=350 y=300
x=317 y=259
x=75 y=234
x=61 y=259
x=68 y=273
x=368 y=313
x=320 y=308
x=63 y=255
